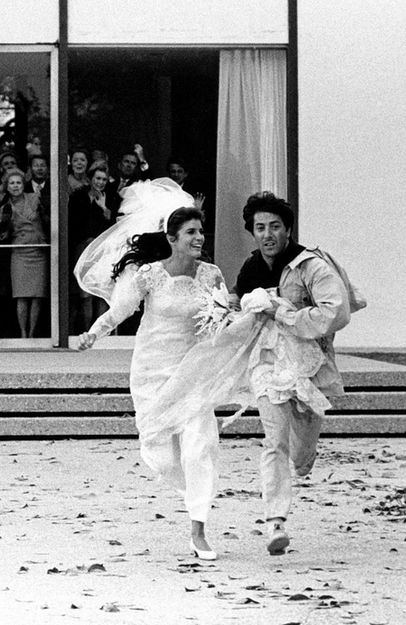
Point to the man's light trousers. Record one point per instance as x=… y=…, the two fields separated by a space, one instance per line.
x=288 y=434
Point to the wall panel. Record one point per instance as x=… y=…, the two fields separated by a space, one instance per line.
x=188 y=22
x=29 y=21
x=352 y=150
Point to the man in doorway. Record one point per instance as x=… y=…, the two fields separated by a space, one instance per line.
x=40 y=182
x=178 y=171
x=321 y=309
x=131 y=168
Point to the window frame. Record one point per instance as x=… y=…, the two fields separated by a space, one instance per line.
x=54 y=113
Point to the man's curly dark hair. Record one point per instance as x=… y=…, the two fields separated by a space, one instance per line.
x=267 y=202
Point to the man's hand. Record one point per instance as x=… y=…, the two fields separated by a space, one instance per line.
x=139 y=150
x=199 y=200
x=258 y=301
x=85 y=341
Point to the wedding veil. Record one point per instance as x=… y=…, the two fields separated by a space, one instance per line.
x=146 y=207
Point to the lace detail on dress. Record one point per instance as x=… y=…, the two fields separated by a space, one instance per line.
x=129 y=290
x=209 y=276
x=154 y=275
x=157 y=278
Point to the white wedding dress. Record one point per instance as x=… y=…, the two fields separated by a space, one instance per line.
x=167 y=332
x=177 y=376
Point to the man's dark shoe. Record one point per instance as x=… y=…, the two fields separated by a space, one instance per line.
x=305 y=468
x=278 y=539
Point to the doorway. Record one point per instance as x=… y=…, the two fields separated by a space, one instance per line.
x=164 y=99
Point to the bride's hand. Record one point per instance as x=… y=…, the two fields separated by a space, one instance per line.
x=85 y=341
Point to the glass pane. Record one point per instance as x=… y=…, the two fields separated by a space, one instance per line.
x=25 y=197
x=166 y=100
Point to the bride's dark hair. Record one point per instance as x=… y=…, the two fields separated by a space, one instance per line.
x=152 y=246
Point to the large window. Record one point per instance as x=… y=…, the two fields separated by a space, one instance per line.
x=26 y=213
x=165 y=100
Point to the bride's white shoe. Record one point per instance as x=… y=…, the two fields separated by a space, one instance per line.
x=203 y=555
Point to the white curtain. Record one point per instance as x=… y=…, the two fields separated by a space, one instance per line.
x=251 y=145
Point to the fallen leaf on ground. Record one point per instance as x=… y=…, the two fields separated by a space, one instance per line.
x=96 y=567
x=260 y=586
x=221 y=594
x=247 y=600
x=110 y=607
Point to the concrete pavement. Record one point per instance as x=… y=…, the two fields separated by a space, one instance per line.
x=88 y=536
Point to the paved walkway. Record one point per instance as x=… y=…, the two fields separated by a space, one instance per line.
x=88 y=536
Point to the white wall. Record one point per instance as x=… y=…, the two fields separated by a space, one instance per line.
x=352 y=153
x=167 y=22
x=25 y=21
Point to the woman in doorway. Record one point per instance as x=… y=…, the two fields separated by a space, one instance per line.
x=91 y=211
x=27 y=224
x=164 y=270
x=78 y=164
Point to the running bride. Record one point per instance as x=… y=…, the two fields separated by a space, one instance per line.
x=192 y=351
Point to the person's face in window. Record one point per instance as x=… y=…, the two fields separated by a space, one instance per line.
x=8 y=162
x=99 y=181
x=39 y=169
x=15 y=186
x=128 y=165
x=79 y=163
x=270 y=234
x=177 y=173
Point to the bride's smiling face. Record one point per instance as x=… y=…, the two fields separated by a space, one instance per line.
x=189 y=239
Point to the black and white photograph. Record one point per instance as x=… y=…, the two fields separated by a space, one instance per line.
x=202 y=326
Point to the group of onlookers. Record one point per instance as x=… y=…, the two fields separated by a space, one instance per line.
x=25 y=225
x=93 y=206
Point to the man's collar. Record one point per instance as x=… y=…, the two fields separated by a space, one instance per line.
x=303 y=255
x=39 y=184
x=287 y=257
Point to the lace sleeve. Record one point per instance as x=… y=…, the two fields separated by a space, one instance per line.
x=211 y=276
x=129 y=290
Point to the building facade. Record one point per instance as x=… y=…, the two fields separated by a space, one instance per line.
x=301 y=97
